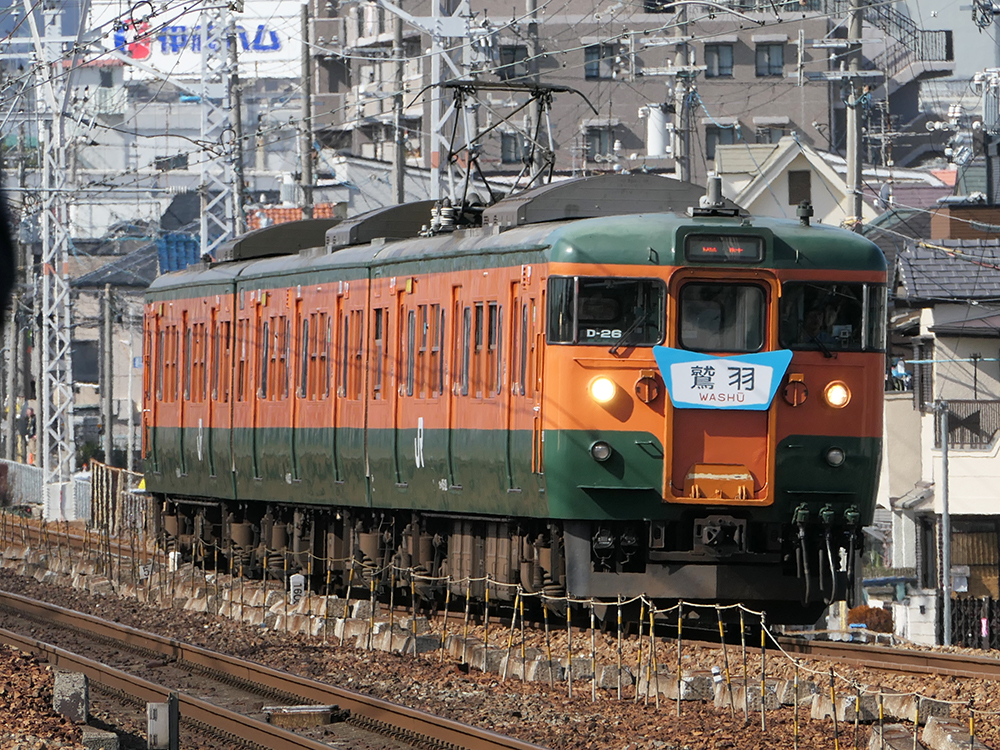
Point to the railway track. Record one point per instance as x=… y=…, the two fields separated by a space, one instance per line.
x=412 y=726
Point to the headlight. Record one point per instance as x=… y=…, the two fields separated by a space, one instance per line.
x=600 y=451
x=835 y=456
x=837 y=394
x=602 y=389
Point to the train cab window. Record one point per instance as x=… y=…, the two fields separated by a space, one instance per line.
x=602 y=312
x=831 y=317
x=722 y=317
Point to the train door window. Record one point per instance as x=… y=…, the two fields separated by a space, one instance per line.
x=422 y=356
x=828 y=317
x=411 y=335
x=286 y=355
x=243 y=330
x=187 y=361
x=200 y=364
x=159 y=365
x=358 y=351
x=378 y=344
x=265 y=342
x=436 y=373
x=722 y=317
x=344 y=356
x=216 y=359
x=225 y=345
x=525 y=343
x=304 y=353
x=495 y=343
x=326 y=326
x=464 y=352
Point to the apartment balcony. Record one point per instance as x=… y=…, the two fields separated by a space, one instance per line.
x=972 y=425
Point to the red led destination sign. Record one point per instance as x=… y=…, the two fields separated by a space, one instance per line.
x=724 y=249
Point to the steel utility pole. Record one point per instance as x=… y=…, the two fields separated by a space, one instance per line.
x=682 y=82
x=534 y=54
x=56 y=387
x=221 y=201
x=305 y=133
x=854 y=31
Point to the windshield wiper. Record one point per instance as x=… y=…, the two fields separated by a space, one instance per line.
x=826 y=352
x=629 y=331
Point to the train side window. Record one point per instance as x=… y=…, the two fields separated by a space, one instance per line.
x=828 y=317
x=562 y=310
x=435 y=376
x=411 y=335
x=422 y=331
x=876 y=323
x=722 y=317
x=265 y=342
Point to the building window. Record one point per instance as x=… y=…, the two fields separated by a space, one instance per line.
x=599 y=142
x=512 y=148
x=599 y=61
x=716 y=136
x=770 y=60
x=718 y=61
x=770 y=135
x=512 y=62
x=799 y=187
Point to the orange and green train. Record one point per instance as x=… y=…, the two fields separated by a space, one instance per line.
x=589 y=389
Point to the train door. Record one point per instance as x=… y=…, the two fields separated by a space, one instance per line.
x=298 y=364
x=524 y=421
x=211 y=352
x=352 y=419
x=182 y=405
x=402 y=394
x=458 y=372
x=152 y=385
x=725 y=452
x=381 y=372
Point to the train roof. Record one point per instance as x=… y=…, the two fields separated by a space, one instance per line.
x=549 y=227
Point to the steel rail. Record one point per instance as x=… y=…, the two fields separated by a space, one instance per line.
x=374 y=709
x=219 y=719
x=896 y=660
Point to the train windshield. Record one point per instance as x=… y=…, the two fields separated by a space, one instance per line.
x=832 y=317
x=722 y=317
x=609 y=312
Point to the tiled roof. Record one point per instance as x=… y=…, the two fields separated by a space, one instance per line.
x=952 y=270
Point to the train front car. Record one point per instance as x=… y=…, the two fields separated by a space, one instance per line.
x=713 y=407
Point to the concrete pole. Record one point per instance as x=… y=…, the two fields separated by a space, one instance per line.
x=305 y=133
x=682 y=150
x=11 y=340
x=130 y=446
x=534 y=53
x=399 y=145
x=107 y=379
x=945 y=525
x=854 y=30
x=236 y=102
